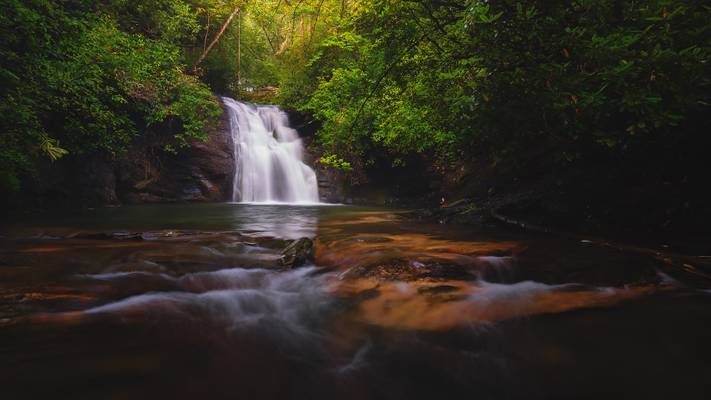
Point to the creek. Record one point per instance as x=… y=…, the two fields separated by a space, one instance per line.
x=186 y=301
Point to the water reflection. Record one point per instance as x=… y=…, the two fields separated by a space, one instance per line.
x=277 y=221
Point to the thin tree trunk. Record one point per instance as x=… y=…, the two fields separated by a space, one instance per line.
x=239 y=52
x=269 y=39
x=207 y=31
x=314 y=22
x=293 y=22
x=217 y=38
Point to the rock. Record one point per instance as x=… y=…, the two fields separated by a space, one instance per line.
x=404 y=270
x=354 y=273
x=458 y=203
x=144 y=173
x=105 y=236
x=331 y=184
x=439 y=289
x=297 y=253
x=464 y=212
x=201 y=172
x=74 y=181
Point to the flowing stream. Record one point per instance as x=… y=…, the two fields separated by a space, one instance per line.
x=269 y=156
x=189 y=301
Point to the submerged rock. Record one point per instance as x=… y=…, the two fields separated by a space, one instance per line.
x=400 y=269
x=104 y=236
x=297 y=253
x=463 y=211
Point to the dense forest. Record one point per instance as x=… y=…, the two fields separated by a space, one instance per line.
x=478 y=96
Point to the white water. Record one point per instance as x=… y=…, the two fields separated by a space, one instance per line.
x=283 y=304
x=269 y=165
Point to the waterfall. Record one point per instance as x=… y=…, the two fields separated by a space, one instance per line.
x=268 y=157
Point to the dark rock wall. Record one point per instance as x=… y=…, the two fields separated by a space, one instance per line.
x=331 y=184
x=202 y=172
x=144 y=174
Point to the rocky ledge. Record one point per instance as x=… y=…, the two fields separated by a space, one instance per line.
x=144 y=174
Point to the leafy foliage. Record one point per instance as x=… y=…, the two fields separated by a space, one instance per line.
x=74 y=82
x=509 y=80
x=335 y=162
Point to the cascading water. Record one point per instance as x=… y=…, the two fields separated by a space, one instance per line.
x=268 y=154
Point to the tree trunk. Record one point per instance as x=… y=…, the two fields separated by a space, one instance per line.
x=217 y=38
x=207 y=32
x=239 y=52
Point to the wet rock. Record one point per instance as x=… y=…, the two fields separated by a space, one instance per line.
x=463 y=211
x=331 y=183
x=354 y=273
x=90 y=236
x=144 y=173
x=434 y=290
x=137 y=266
x=457 y=204
x=585 y=264
x=397 y=269
x=105 y=236
x=201 y=172
x=126 y=236
x=298 y=253
x=156 y=235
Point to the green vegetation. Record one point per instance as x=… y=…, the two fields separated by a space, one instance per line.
x=80 y=77
x=510 y=80
x=335 y=162
x=507 y=84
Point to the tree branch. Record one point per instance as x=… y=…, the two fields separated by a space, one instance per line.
x=217 y=38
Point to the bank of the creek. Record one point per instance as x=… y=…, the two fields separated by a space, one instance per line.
x=192 y=301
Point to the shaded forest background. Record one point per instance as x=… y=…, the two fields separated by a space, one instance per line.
x=595 y=109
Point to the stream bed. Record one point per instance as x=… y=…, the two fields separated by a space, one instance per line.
x=189 y=301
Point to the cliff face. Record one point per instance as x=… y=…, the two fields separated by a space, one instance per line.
x=202 y=172
x=144 y=174
x=331 y=184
